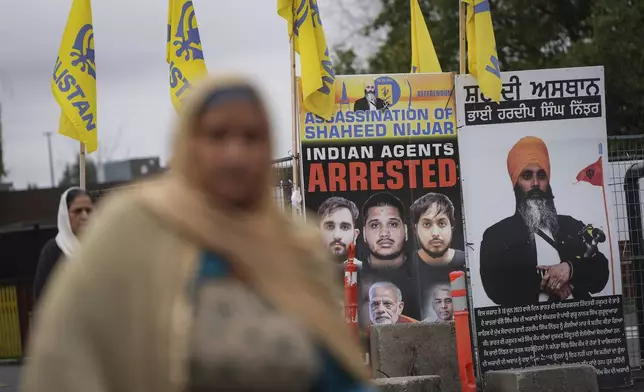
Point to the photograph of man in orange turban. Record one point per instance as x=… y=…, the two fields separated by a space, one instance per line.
x=538 y=255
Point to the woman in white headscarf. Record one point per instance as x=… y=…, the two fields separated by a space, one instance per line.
x=73 y=212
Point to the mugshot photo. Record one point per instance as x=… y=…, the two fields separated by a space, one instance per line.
x=437 y=303
x=382 y=303
x=338 y=219
x=412 y=244
x=438 y=239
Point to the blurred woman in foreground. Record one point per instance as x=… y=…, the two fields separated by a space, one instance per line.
x=197 y=282
x=73 y=211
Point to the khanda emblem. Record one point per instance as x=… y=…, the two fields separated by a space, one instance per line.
x=187 y=40
x=590 y=173
x=82 y=53
x=385 y=94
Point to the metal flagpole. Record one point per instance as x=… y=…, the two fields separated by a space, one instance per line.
x=51 y=160
x=81 y=166
x=462 y=57
x=294 y=136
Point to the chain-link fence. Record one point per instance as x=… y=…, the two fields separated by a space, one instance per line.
x=625 y=169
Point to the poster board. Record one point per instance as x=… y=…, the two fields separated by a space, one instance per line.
x=391 y=143
x=532 y=181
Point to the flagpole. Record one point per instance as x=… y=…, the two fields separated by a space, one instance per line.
x=462 y=56
x=81 y=166
x=610 y=240
x=294 y=118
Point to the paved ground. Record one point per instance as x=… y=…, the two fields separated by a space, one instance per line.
x=9 y=376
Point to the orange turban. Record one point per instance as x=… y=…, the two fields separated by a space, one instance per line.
x=526 y=151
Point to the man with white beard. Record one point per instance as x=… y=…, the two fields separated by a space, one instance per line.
x=537 y=255
x=369 y=101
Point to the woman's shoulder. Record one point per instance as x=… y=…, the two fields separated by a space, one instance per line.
x=51 y=244
x=50 y=249
x=120 y=226
x=123 y=206
x=306 y=236
x=124 y=240
x=316 y=264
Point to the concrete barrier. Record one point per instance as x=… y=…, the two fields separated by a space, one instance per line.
x=560 y=378
x=409 y=384
x=416 y=349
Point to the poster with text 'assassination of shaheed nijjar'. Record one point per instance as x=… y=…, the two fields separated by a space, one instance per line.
x=544 y=260
x=383 y=174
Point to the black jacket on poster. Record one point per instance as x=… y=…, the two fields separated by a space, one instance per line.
x=508 y=262
x=363 y=104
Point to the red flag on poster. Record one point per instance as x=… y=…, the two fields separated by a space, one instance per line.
x=593 y=173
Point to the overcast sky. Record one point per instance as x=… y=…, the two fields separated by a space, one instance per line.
x=135 y=115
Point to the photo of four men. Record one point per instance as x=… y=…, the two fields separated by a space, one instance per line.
x=404 y=256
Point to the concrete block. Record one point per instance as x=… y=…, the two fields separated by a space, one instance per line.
x=560 y=378
x=416 y=349
x=409 y=384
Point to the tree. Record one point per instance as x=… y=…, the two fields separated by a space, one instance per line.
x=617 y=44
x=530 y=34
x=71 y=174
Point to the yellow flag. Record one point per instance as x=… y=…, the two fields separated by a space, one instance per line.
x=318 y=78
x=482 y=57
x=423 y=54
x=74 y=78
x=184 y=51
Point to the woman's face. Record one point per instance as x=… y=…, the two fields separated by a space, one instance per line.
x=231 y=151
x=79 y=212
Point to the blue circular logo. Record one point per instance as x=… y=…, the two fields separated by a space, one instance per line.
x=387 y=89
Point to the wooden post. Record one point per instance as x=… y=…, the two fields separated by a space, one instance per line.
x=294 y=122
x=462 y=38
x=81 y=166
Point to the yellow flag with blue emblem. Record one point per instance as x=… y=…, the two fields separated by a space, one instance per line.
x=423 y=54
x=184 y=51
x=74 y=78
x=482 y=57
x=318 y=77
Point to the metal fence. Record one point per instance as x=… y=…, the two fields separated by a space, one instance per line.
x=625 y=169
x=283 y=182
x=10 y=337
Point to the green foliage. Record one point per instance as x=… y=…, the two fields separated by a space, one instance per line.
x=71 y=174
x=530 y=34
x=441 y=17
x=344 y=62
x=617 y=43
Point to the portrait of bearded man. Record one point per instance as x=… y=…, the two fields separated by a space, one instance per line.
x=538 y=255
x=370 y=101
x=339 y=227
